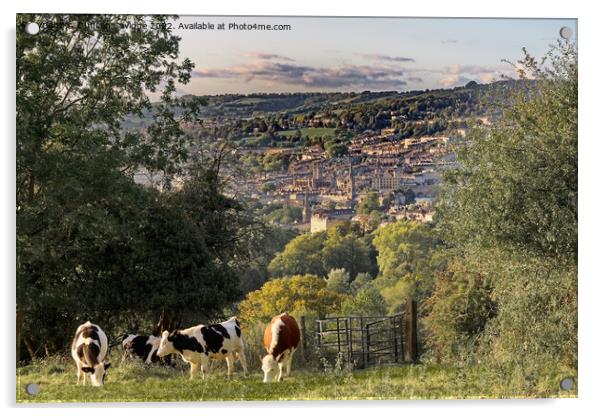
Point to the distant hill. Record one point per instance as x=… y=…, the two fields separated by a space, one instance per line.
x=245 y=106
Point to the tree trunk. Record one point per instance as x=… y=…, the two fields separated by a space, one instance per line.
x=30 y=349
x=19 y=325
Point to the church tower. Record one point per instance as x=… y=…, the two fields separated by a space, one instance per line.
x=351 y=181
x=306 y=208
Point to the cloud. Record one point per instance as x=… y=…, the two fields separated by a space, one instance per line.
x=456 y=74
x=356 y=76
x=449 y=41
x=386 y=58
x=267 y=56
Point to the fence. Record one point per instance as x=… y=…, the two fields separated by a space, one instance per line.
x=366 y=340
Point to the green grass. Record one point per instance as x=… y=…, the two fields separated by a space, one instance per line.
x=135 y=382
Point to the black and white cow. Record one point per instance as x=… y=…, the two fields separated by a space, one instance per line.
x=143 y=346
x=89 y=349
x=198 y=344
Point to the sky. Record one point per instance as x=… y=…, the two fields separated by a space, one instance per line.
x=354 y=54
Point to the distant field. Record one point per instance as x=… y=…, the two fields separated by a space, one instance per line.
x=311 y=132
x=133 y=382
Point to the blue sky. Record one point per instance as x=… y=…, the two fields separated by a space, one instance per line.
x=354 y=54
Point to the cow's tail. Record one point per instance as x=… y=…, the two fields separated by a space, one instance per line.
x=89 y=358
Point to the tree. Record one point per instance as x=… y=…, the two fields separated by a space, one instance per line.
x=298 y=295
x=302 y=255
x=338 y=281
x=406 y=261
x=369 y=203
x=517 y=180
x=344 y=249
x=84 y=226
x=361 y=280
x=366 y=302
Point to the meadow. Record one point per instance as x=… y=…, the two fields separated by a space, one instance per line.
x=136 y=382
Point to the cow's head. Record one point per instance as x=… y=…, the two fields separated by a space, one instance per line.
x=269 y=365
x=166 y=345
x=97 y=373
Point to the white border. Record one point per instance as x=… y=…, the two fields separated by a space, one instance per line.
x=589 y=228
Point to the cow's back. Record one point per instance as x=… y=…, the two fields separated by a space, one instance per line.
x=281 y=334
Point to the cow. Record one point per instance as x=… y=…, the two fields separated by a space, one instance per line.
x=89 y=349
x=199 y=343
x=143 y=346
x=280 y=339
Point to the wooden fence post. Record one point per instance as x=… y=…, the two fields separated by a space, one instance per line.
x=411 y=336
x=303 y=340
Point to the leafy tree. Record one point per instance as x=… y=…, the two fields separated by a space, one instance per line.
x=300 y=256
x=347 y=251
x=88 y=239
x=369 y=203
x=300 y=294
x=338 y=281
x=366 y=302
x=517 y=180
x=361 y=280
x=406 y=261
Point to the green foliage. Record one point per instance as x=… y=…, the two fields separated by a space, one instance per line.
x=298 y=295
x=338 y=281
x=459 y=308
x=360 y=281
x=302 y=255
x=370 y=202
x=344 y=249
x=536 y=316
x=268 y=187
x=407 y=261
x=510 y=212
x=367 y=301
x=316 y=253
x=286 y=215
x=91 y=243
x=517 y=180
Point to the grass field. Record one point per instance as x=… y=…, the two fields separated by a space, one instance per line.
x=135 y=382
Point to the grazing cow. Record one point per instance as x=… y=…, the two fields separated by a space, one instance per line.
x=89 y=349
x=198 y=344
x=143 y=346
x=280 y=339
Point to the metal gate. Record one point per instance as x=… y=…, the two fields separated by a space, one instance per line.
x=365 y=340
x=384 y=340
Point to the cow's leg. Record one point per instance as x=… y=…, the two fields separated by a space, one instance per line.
x=281 y=365
x=193 y=369
x=204 y=365
x=243 y=360
x=80 y=373
x=289 y=362
x=230 y=364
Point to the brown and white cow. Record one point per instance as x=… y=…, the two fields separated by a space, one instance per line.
x=89 y=349
x=280 y=339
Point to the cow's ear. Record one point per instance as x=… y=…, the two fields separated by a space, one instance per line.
x=165 y=334
x=87 y=369
x=260 y=358
x=107 y=365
